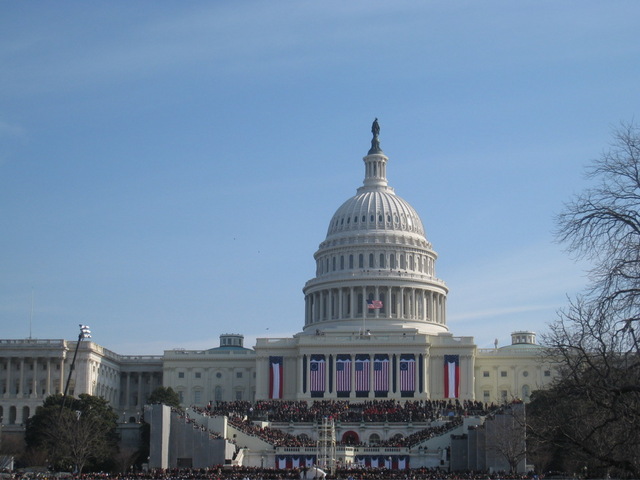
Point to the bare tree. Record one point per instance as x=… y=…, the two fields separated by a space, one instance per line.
x=74 y=433
x=596 y=402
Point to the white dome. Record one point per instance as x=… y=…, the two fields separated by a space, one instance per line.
x=375 y=265
x=375 y=210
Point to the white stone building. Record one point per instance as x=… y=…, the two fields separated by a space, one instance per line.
x=375 y=326
x=31 y=370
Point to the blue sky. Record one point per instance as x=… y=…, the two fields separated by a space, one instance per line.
x=168 y=169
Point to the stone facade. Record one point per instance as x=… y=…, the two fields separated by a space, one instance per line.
x=375 y=327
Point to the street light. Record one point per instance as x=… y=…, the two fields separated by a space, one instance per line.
x=85 y=332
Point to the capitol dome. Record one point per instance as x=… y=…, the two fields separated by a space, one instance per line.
x=375 y=210
x=375 y=270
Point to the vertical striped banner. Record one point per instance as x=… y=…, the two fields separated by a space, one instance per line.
x=407 y=373
x=362 y=372
x=275 y=377
x=381 y=373
x=317 y=368
x=343 y=375
x=451 y=376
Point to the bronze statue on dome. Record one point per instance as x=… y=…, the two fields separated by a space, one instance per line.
x=375 y=128
x=375 y=143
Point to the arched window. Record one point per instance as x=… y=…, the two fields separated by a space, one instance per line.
x=351 y=261
x=403 y=263
x=381 y=265
x=392 y=261
x=217 y=393
x=348 y=438
x=341 y=262
x=371 y=260
x=374 y=439
x=361 y=261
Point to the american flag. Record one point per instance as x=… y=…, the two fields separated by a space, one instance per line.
x=381 y=373
x=371 y=304
x=362 y=373
x=343 y=373
x=407 y=373
x=317 y=367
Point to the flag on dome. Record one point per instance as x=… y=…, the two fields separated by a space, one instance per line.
x=451 y=376
x=371 y=304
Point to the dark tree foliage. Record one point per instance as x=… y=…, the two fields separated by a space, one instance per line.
x=593 y=412
x=166 y=396
x=77 y=433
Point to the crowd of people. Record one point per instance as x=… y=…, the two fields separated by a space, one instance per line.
x=243 y=415
x=347 y=411
x=253 y=473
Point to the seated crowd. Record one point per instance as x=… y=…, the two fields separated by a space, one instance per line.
x=254 y=473
x=242 y=415
x=345 y=411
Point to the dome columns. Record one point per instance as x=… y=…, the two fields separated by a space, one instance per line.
x=348 y=303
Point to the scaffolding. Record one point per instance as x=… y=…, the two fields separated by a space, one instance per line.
x=327 y=445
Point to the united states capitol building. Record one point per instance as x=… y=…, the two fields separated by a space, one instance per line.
x=375 y=327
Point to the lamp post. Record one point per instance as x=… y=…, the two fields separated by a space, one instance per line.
x=85 y=332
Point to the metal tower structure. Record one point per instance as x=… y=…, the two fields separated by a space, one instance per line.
x=327 y=445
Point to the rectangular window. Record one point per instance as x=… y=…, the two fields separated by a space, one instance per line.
x=238 y=374
x=485 y=373
x=197 y=397
x=503 y=374
x=181 y=396
x=180 y=374
x=486 y=395
x=238 y=394
x=198 y=375
x=547 y=373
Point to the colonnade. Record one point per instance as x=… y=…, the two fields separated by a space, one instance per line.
x=135 y=389
x=407 y=303
x=32 y=376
